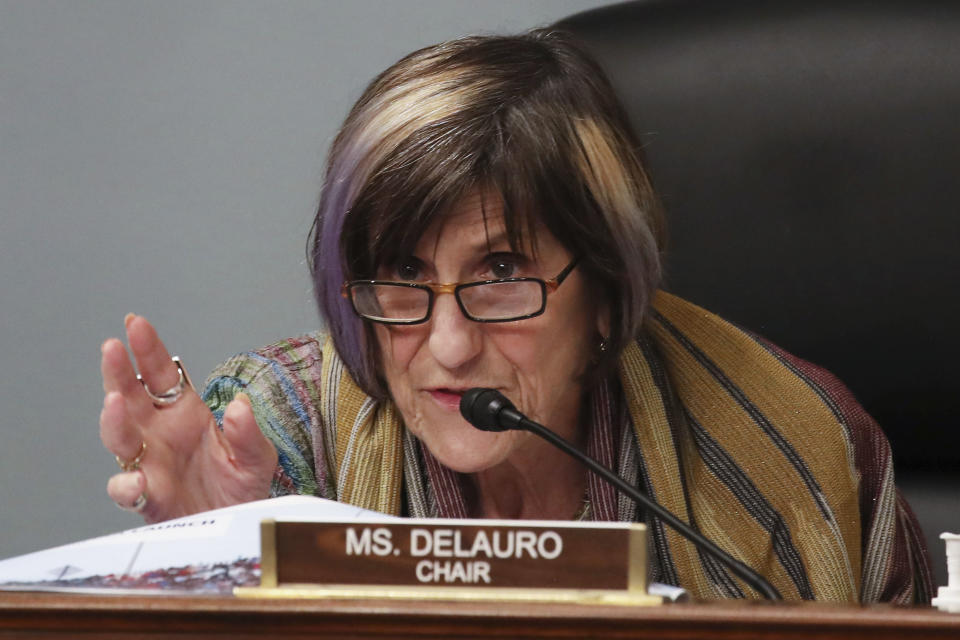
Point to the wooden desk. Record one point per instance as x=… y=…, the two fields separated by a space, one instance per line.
x=39 y=615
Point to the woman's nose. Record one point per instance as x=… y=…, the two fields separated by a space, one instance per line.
x=454 y=340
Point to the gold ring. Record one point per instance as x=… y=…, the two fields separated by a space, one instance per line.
x=133 y=465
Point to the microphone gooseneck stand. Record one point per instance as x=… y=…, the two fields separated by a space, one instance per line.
x=489 y=410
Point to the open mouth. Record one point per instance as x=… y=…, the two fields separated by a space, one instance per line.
x=447 y=398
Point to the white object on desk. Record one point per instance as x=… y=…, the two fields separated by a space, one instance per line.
x=948 y=597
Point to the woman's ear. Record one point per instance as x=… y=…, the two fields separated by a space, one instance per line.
x=603 y=320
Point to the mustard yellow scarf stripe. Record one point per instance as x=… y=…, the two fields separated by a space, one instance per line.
x=660 y=456
x=367 y=440
x=778 y=432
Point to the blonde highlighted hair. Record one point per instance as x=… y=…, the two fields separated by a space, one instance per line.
x=531 y=118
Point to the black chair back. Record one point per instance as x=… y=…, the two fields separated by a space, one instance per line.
x=808 y=155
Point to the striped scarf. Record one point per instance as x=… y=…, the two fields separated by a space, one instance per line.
x=714 y=424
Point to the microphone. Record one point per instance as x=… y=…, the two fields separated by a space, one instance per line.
x=490 y=410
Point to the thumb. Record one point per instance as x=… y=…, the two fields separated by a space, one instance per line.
x=247 y=447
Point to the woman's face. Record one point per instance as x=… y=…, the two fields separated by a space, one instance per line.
x=537 y=363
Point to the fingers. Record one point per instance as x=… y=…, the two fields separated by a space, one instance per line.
x=117 y=370
x=153 y=360
x=125 y=488
x=118 y=434
x=246 y=446
x=188 y=470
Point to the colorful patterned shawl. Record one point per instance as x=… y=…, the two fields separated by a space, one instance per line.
x=762 y=452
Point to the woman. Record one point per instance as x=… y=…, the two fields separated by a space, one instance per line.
x=486 y=221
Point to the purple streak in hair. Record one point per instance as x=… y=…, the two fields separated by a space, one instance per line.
x=345 y=327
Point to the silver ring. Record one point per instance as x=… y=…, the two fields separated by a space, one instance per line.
x=138 y=505
x=171 y=395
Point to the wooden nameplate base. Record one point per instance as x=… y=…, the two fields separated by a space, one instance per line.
x=516 y=560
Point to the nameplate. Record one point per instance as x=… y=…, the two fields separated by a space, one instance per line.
x=417 y=557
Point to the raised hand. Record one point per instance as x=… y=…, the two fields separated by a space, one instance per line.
x=178 y=461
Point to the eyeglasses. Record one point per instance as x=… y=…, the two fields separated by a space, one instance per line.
x=501 y=300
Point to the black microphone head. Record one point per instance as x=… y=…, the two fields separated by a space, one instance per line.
x=481 y=408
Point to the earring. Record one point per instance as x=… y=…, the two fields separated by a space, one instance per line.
x=603 y=345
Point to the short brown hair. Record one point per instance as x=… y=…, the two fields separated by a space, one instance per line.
x=532 y=118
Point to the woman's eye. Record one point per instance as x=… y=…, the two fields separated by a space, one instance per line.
x=409 y=270
x=501 y=268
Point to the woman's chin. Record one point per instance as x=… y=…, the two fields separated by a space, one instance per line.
x=465 y=449
x=453 y=441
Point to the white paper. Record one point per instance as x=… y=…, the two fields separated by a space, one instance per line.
x=211 y=551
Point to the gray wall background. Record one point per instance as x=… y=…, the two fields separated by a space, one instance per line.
x=165 y=158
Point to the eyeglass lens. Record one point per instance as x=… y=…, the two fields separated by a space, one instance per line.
x=390 y=302
x=502 y=300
